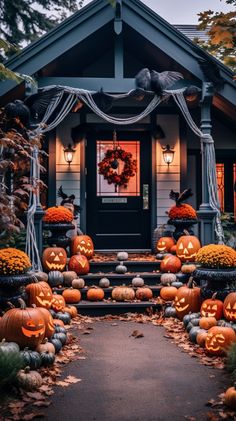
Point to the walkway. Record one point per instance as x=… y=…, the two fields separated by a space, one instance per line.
x=128 y=379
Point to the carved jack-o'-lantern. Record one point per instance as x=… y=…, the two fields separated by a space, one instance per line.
x=58 y=302
x=39 y=294
x=219 y=339
x=212 y=308
x=187 y=247
x=54 y=258
x=164 y=244
x=23 y=325
x=49 y=322
x=82 y=244
x=187 y=300
x=229 y=308
x=79 y=264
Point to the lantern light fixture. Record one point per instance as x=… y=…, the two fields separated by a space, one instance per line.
x=69 y=153
x=168 y=154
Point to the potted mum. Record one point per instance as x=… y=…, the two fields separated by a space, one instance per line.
x=216 y=271
x=182 y=215
x=14 y=275
x=58 y=220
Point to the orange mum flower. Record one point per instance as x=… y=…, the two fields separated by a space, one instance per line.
x=13 y=261
x=57 y=214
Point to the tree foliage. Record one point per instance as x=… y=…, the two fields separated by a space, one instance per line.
x=221 y=29
x=23 y=21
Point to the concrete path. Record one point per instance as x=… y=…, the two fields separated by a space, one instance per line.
x=127 y=379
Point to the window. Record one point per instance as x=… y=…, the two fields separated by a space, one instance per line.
x=226 y=184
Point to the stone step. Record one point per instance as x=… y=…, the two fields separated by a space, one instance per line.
x=102 y=308
x=155 y=289
x=132 y=266
x=150 y=278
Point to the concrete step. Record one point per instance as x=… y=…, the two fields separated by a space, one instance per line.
x=132 y=266
x=155 y=289
x=102 y=308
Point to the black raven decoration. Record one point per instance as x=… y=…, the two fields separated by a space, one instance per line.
x=157 y=82
x=68 y=199
x=180 y=197
x=19 y=112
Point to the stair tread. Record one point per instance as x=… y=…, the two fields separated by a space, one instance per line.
x=126 y=262
x=93 y=304
x=126 y=275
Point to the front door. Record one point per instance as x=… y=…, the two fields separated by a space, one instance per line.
x=118 y=216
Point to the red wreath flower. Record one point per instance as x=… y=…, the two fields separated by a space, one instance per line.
x=112 y=177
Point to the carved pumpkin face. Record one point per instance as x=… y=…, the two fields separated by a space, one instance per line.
x=79 y=264
x=212 y=308
x=229 y=308
x=39 y=294
x=82 y=244
x=49 y=322
x=54 y=258
x=58 y=302
x=187 y=300
x=25 y=326
x=187 y=247
x=164 y=244
x=218 y=339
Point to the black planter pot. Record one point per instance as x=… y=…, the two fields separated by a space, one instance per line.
x=221 y=281
x=58 y=233
x=181 y=225
x=12 y=287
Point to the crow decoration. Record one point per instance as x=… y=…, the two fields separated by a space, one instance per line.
x=157 y=82
x=179 y=198
x=68 y=199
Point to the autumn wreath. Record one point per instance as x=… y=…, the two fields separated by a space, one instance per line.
x=111 y=161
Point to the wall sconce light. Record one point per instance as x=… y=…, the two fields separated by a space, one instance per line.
x=69 y=154
x=168 y=154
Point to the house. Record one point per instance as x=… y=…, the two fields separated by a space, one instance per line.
x=104 y=48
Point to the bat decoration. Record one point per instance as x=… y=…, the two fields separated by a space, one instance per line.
x=180 y=197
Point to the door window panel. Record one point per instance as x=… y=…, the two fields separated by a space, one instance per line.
x=221 y=185
x=133 y=187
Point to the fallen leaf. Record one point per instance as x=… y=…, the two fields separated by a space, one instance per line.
x=36 y=395
x=137 y=334
x=42 y=403
x=63 y=384
x=32 y=415
x=72 y=379
x=86 y=332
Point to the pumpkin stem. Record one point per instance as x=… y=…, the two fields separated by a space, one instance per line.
x=190 y=282
x=22 y=304
x=10 y=304
x=186 y=232
x=27 y=369
x=214 y=296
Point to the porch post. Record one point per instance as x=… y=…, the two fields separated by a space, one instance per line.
x=38 y=216
x=206 y=214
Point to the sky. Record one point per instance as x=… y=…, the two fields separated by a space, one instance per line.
x=183 y=11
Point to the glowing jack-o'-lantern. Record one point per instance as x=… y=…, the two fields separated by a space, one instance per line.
x=23 y=325
x=58 y=302
x=164 y=244
x=82 y=244
x=54 y=258
x=187 y=247
x=212 y=308
x=39 y=294
x=79 y=264
x=187 y=300
x=49 y=322
x=229 y=308
x=219 y=339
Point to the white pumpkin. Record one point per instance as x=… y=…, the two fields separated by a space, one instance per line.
x=122 y=255
x=104 y=283
x=168 y=278
x=137 y=281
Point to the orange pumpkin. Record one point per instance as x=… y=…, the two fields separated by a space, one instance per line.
x=58 y=322
x=54 y=258
x=82 y=244
x=187 y=247
x=23 y=325
x=230 y=397
x=79 y=264
x=219 y=339
x=39 y=294
x=164 y=244
x=71 y=295
x=123 y=293
x=144 y=294
x=95 y=294
x=173 y=249
x=168 y=293
x=187 y=300
x=72 y=310
x=171 y=264
x=212 y=307
x=207 y=322
x=49 y=322
x=201 y=338
x=58 y=302
x=229 y=306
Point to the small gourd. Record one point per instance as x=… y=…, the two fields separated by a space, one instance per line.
x=122 y=255
x=29 y=380
x=45 y=346
x=188 y=268
x=177 y=284
x=7 y=347
x=68 y=277
x=168 y=278
x=47 y=358
x=170 y=312
x=193 y=333
x=104 y=283
x=31 y=359
x=55 y=278
x=137 y=281
x=41 y=276
x=144 y=294
x=207 y=322
x=121 y=268
x=78 y=283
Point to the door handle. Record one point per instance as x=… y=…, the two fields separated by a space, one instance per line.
x=145 y=196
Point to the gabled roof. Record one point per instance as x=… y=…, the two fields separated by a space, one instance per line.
x=136 y=16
